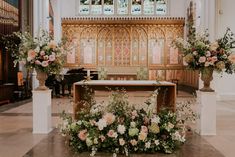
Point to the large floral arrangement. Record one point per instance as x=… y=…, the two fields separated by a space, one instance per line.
x=199 y=52
x=119 y=128
x=41 y=53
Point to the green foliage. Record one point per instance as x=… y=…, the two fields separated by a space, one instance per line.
x=120 y=128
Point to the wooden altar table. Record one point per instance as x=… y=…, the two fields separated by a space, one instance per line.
x=166 y=94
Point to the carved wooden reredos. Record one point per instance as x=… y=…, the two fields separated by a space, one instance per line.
x=120 y=42
x=123 y=42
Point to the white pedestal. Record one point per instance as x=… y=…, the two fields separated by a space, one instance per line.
x=206 y=124
x=41 y=111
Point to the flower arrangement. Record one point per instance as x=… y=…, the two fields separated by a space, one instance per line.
x=41 y=53
x=199 y=52
x=120 y=128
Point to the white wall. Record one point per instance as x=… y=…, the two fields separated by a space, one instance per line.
x=176 y=8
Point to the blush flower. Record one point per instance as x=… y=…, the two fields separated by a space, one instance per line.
x=51 y=58
x=52 y=44
x=133 y=142
x=44 y=63
x=31 y=54
x=202 y=59
x=121 y=141
x=109 y=117
x=38 y=62
x=232 y=58
x=82 y=135
x=42 y=53
x=142 y=136
x=112 y=134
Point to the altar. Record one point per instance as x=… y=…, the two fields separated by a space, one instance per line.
x=166 y=90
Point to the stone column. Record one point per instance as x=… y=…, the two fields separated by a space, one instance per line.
x=40 y=21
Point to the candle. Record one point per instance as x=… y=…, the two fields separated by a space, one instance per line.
x=88 y=73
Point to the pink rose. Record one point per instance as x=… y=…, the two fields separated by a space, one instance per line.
x=42 y=53
x=208 y=53
x=38 y=62
x=112 y=134
x=45 y=63
x=31 y=54
x=214 y=59
x=144 y=129
x=202 y=59
x=82 y=135
x=51 y=58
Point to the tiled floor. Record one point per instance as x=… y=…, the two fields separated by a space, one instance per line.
x=16 y=138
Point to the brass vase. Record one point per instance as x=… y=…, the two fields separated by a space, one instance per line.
x=206 y=77
x=41 y=76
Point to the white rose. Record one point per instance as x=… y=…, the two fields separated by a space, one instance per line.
x=133 y=124
x=121 y=129
x=121 y=141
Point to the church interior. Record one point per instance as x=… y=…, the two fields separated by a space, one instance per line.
x=113 y=45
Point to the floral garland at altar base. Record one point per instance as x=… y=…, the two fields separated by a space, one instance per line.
x=120 y=128
x=41 y=53
x=200 y=54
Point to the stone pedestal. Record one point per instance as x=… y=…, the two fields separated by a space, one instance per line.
x=42 y=111
x=206 y=124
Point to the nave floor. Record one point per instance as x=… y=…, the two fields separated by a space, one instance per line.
x=17 y=140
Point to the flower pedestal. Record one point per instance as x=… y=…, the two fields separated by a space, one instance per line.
x=206 y=108
x=41 y=76
x=206 y=77
x=42 y=111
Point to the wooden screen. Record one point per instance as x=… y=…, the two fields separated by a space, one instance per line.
x=127 y=44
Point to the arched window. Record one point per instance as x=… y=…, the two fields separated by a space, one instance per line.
x=122 y=7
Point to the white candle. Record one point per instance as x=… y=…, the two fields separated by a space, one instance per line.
x=88 y=73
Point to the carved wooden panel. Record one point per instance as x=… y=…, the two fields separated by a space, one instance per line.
x=126 y=43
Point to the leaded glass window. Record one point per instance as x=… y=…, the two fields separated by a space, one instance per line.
x=122 y=7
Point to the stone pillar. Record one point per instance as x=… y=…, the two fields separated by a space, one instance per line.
x=40 y=22
x=42 y=111
x=56 y=4
x=206 y=124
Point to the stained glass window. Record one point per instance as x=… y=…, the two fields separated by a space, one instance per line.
x=161 y=7
x=96 y=7
x=149 y=7
x=136 y=7
x=108 y=7
x=122 y=7
x=84 y=7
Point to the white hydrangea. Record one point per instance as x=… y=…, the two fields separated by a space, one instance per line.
x=155 y=119
x=101 y=124
x=147 y=145
x=156 y=142
x=121 y=129
x=176 y=136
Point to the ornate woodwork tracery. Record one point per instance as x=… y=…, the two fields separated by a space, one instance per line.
x=122 y=45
